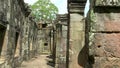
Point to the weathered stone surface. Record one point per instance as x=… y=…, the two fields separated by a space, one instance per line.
x=20 y=33
x=104 y=34
x=78 y=23
x=105 y=45
x=106 y=62
x=77 y=48
x=106 y=22
x=77 y=7
x=107 y=3
x=60 y=41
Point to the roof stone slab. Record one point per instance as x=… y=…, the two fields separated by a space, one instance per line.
x=76 y=6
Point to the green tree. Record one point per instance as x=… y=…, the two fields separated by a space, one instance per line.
x=44 y=10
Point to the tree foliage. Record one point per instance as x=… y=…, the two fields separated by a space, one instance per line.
x=44 y=10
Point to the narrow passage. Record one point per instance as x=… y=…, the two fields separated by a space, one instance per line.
x=41 y=61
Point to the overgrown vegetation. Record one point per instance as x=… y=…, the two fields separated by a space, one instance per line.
x=44 y=10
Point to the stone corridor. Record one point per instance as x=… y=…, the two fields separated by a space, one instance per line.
x=70 y=41
x=40 y=61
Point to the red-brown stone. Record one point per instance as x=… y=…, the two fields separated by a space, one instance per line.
x=106 y=22
x=106 y=45
x=112 y=25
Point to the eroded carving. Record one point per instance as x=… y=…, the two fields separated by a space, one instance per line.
x=108 y=2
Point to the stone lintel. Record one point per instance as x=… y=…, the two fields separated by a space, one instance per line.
x=76 y=7
x=62 y=19
x=62 y=16
x=77 y=1
x=114 y=3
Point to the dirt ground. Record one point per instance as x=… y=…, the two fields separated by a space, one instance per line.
x=42 y=61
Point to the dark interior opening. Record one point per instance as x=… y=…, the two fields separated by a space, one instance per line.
x=45 y=44
x=16 y=38
x=16 y=42
x=44 y=25
x=2 y=35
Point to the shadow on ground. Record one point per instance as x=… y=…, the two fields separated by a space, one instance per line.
x=50 y=61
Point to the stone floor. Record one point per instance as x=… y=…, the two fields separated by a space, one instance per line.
x=42 y=61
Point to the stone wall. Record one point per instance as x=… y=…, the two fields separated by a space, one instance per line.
x=17 y=29
x=104 y=34
x=44 y=39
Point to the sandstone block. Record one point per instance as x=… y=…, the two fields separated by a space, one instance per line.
x=106 y=62
x=105 y=45
x=106 y=22
x=107 y=3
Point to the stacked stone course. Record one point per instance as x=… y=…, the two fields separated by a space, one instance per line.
x=19 y=33
x=104 y=33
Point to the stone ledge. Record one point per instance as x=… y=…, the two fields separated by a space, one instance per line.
x=115 y=3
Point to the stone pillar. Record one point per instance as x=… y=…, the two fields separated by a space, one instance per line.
x=77 y=48
x=61 y=43
x=104 y=34
x=58 y=42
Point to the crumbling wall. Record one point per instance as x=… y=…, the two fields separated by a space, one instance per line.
x=45 y=37
x=44 y=40
x=14 y=18
x=104 y=34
